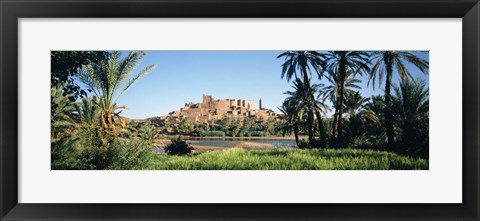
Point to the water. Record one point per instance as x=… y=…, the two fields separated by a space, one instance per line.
x=235 y=142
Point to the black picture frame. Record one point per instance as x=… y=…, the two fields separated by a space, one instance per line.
x=12 y=10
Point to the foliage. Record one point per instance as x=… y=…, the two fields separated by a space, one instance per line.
x=98 y=149
x=148 y=132
x=200 y=129
x=383 y=65
x=301 y=63
x=344 y=63
x=292 y=122
x=185 y=126
x=288 y=159
x=410 y=110
x=304 y=62
x=131 y=154
x=178 y=147
x=332 y=91
x=247 y=133
x=108 y=80
x=62 y=115
x=65 y=66
x=303 y=144
x=213 y=133
x=92 y=147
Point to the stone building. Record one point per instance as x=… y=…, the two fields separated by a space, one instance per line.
x=210 y=109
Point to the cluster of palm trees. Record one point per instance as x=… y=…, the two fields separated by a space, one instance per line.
x=305 y=107
x=85 y=134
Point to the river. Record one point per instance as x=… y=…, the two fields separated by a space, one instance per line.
x=202 y=144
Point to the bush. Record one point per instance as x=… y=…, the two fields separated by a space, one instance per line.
x=259 y=133
x=98 y=149
x=303 y=144
x=64 y=156
x=148 y=132
x=130 y=155
x=178 y=147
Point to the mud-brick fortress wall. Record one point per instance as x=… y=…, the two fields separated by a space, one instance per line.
x=226 y=104
x=210 y=109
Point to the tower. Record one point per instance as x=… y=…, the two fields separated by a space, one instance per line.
x=260 y=104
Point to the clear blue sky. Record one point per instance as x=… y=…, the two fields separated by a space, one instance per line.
x=183 y=76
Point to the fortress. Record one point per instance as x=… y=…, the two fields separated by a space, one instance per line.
x=210 y=109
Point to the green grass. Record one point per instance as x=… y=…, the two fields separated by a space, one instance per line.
x=289 y=159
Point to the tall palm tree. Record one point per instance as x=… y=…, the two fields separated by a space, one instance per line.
x=384 y=63
x=302 y=63
x=344 y=61
x=332 y=92
x=108 y=80
x=321 y=109
x=303 y=100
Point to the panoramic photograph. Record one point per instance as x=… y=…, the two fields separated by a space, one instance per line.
x=239 y=110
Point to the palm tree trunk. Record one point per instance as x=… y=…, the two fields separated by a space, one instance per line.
x=310 y=127
x=340 y=103
x=306 y=82
x=334 y=123
x=388 y=112
x=295 y=132
x=321 y=129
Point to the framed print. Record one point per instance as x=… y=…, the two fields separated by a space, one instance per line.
x=173 y=110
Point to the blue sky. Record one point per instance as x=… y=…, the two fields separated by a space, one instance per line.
x=183 y=76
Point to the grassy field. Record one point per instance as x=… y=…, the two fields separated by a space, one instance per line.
x=289 y=159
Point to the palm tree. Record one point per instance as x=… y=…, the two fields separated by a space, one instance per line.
x=374 y=120
x=292 y=120
x=410 y=110
x=321 y=109
x=344 y=61
x=63 y=121
x=108 y=80
x=375 y=111
x=303 y=62
x=62 y=114
x=384 y=63
x=303 y=100
x=355 y=103
x=332 y=92
x=300 y=99
x=357 y=115
x=88 y=112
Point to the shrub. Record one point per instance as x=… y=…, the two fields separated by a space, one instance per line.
x=130 y=155
x=259 y=133
x=111 y=152
x=303 y=144
x=178 y=147
x=148 y=132
x=214 y=133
